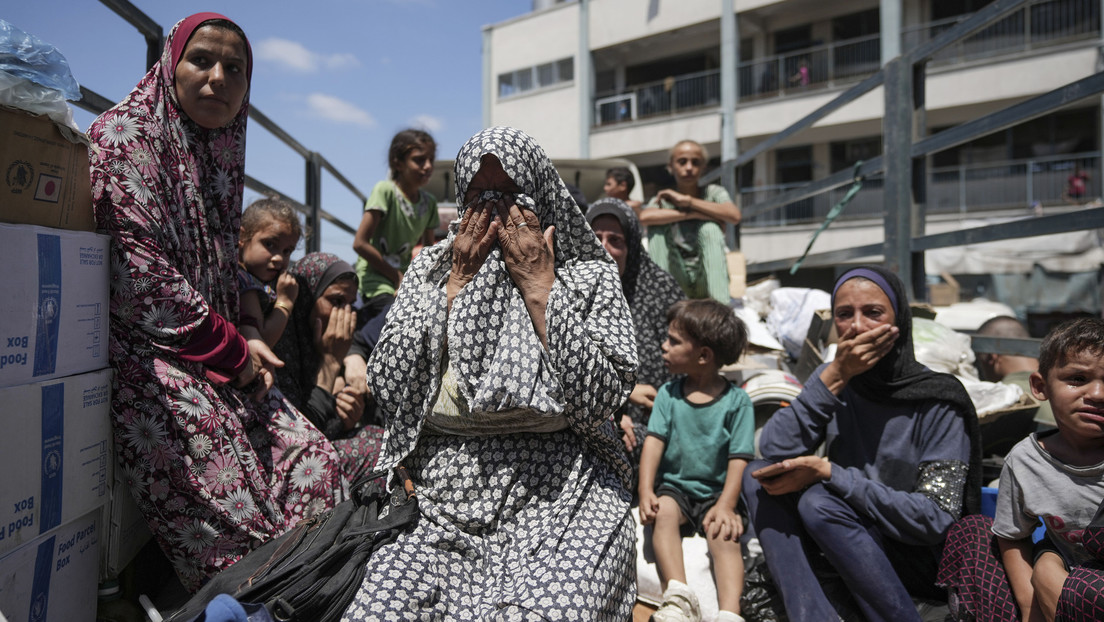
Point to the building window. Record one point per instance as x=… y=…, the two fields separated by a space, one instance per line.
x=526 y=79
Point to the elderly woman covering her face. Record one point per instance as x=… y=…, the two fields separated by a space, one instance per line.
x=216 y=465
x=500 y=365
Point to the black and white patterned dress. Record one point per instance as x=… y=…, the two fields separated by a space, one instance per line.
x=513 y=525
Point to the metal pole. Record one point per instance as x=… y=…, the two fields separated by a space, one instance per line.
x=1100 y=111
x=488 y=79
x=313 y=200
x=730 y=63
x=584 y=69
x=919 y=205
x=897 y=134
x=889 y=13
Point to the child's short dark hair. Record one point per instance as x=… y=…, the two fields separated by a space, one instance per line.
x=711 y=324
x=1073 y=336
x=406 y=141
x=621 y=174
x=261 y=211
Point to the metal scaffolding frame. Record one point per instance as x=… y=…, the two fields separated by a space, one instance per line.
x=906 y=147
x=315 y=162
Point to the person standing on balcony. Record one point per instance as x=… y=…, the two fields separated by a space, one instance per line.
x=801 y=76
x=685 y=234
x=216 y=462
x=398 y=215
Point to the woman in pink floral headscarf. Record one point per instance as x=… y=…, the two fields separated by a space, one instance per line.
x=216 y=463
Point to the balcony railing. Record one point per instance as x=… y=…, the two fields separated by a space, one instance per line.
x=962 y=189
x=672 y=95
x=1040 y=24
x=820 y=67
x=1011 y=184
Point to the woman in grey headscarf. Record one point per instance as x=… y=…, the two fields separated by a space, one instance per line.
x=500 y=365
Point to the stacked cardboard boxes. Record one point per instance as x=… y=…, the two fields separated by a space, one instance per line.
x=55 y=388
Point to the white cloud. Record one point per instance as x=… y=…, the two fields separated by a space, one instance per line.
x=293 y=55
x=428 y=123
x=337 y=109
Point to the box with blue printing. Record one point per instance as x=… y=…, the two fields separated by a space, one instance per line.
x=54 y=309
x=54 y=454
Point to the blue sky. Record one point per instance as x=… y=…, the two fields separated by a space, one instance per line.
x=340 y=76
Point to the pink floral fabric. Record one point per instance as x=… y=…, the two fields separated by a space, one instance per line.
x=215 y=472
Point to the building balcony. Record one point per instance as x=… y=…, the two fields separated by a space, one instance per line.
x=966 y=190
x=1043 y=24
x=1040 y=24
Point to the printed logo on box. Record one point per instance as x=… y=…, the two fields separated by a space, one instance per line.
x=20 y=175
x=49 y=189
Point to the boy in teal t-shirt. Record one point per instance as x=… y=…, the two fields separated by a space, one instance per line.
x=700 y=438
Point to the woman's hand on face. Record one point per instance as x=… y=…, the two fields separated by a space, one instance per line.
x=858 y=352
x=795 y=474
x=477 y=234
x=335 y=338
x=262 y=365
x=527 y=252
x=350 y=404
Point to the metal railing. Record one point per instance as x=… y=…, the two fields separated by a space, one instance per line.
x=311 y=206
x=970 y=188
x=819 y=67
x=1040 y=23
x=963 y=189
x=906 y=147
x=669 y=96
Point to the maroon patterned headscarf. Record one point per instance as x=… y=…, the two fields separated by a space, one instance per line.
x=170 y=189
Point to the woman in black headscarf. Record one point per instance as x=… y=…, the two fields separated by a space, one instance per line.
x=314 y=348
x=650 y=291
x=902 y=464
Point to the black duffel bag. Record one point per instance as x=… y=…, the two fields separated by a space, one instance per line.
x=312 y=572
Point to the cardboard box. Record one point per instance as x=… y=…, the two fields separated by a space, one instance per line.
x=818 y=338
x=943 y=294
x=54 y=309
x=55 y=576
x=46 y=174
x=737 y=273
x=125 y=531
x=53 y=454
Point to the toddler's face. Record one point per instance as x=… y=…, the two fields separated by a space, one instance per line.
x=1075 y=388
x=268 y=252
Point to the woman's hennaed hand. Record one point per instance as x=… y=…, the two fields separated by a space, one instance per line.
x=526 y=250
x=477 y=234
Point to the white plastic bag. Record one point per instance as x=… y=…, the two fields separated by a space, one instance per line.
x=791 y=313
x=34 y=76
x=942 y=348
